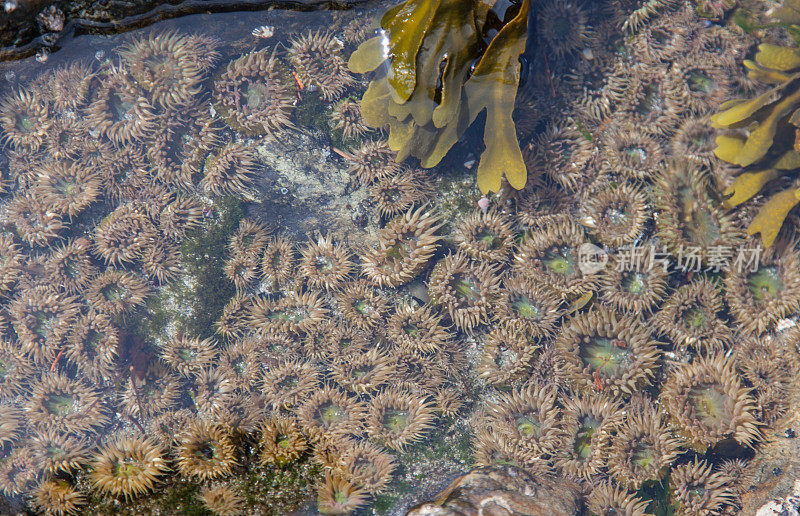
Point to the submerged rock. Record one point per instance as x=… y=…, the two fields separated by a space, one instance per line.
x=503 y=491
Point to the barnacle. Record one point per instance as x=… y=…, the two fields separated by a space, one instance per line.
x=768 y=145
x=691 y=316
x=206 y=452
x=468 y=291
x=404 y=247
x=430 y=92
x=708 y=403
x=760 y=294
x=696 y=489
x=253 y=94
x=127 y=467
x=604 y=351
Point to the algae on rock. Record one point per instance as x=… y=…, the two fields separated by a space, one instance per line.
x=429 y=94
x=766 y=132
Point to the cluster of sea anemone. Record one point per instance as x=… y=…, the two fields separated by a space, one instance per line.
x=619 y=377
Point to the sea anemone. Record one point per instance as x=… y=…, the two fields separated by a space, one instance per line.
x=67 y=187
x=528 y=419
x=278 y=261
x=161 y=260
x=531 y=309
x=634 y=285
x=330 y=413
x=58 y=402
x=294 y=313
x=15 y=369
x=617 y=215
x=35 y=224
x=703 y=86
x=232 y=323
x=117 y=292
x=562 y=25
x=405 y=246
x=688 y=216
x=763 y=367
x=605 y=351
x=243 y=360
x=181 y=215
x=324 y=264
x=363 y=373
x=633 y=152
x=68 y=86
x=760 y=295
x=241 y=270
x=18 y=472
x=63 y=140
x=12 y=425
x=11 y=263
x=696 y=490
x=253 y=94
x=398 y=418
x=338 y=495
x=290 y=383
x=166 y=66
x=57 y=497
x=249 y=239
x=317 y=59
x=189 y=355
x=562 y=152
x=42 y=318
x=123 y=169
x=92 y=346
x=281 y=441
x=343 y=340
x=373 y=161
x=70 y=266
x=485 y=236
x=55 y=451
x=506 y=357
x=119 y=111
x=127 y=467
x=654 y=102
x=368 y=466
x=24 y=120
x=346 y=118
x=363 y=306
x=549 y=257
x=206 y=452
x=695 y=140
x=608 y=498
x=468 y=291
x=122 y=235
x=691 y=316
x=643 y=447
x=708 y=403
x=491 y=449
x=230 y=170
x=213 y=392
x=222 y=500
x=276 y=346
x=151 y=392
x=417 y=328
x=589 y=422
x=399 y=193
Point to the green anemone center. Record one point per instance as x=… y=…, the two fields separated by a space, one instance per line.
x=525 y=308
x=466 y=289
x=635 y=153
x=634 y=282
x=709 y=402
x=583 y=438
x=395 y=420
x=488 y=238
x=23 y=122
x=127 y=467
x=695 y=318
x=59 y=403
x=765 y=283
x=699 y=82
x=560 y=261
x=331 y=413
x=608 y=357
x=528 y=425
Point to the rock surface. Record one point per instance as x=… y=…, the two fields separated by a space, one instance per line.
x=503 y=491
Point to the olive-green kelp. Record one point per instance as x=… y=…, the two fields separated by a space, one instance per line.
x=428 y=94
x=766 y=134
